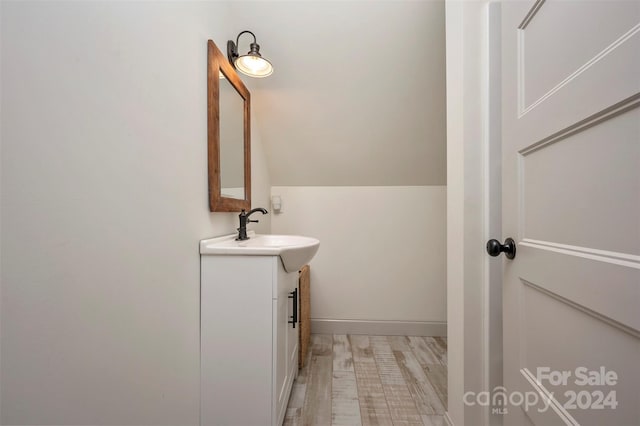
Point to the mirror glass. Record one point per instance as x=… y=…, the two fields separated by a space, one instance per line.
x=228 y=135
x=231 y=141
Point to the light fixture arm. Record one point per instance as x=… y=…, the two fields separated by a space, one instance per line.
x=245 y=32
x=232 y=48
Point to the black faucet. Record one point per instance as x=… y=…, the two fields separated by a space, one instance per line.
x=244 y=219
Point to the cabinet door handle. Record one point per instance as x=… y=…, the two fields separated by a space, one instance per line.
x=294 y=318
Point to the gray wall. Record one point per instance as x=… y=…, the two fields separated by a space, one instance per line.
x=104 y=200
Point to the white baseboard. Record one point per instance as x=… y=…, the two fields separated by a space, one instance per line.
x=447 y=419
x=380 y=328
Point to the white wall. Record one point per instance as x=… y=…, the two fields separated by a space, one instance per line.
x=260 y=179
x=360 y=149
x=382 y=250
x=104 y=199
x=358 y=87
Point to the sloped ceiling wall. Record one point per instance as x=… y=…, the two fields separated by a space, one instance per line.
x=358 y=93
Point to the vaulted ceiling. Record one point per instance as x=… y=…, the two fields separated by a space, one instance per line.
x=358 y=93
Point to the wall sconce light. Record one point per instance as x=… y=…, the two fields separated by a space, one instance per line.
x=251 y=64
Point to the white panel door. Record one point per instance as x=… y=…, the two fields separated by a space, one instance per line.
x=571 y=201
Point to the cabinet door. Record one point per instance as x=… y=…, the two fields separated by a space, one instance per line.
x=292 y=333
x=281 y=315
x=285 y=340
x=280 y=370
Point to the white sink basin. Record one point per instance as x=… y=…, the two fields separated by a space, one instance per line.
x=294 y=250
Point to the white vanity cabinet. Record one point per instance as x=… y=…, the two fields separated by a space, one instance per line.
x=249 y=347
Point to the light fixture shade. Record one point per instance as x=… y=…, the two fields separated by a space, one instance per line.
x=253 y=65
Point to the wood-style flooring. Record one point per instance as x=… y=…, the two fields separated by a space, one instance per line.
x=351 y=380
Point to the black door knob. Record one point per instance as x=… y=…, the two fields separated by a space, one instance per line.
x=494 y=248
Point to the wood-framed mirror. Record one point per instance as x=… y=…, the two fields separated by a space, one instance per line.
x=228 y=135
